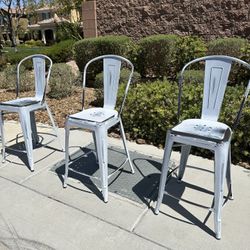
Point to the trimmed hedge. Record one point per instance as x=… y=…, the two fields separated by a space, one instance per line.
x=227 y=46
x=156 y=56
x=14 y=58
x=236 y=47
x=61 y=52
x=151 y=109
x=86 y=49
x=164 y=55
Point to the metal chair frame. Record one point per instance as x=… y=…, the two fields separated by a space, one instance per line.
x=27 y=106
x=89 y=118
x=206 y=132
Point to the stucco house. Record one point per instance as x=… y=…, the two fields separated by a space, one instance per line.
x=45 y=24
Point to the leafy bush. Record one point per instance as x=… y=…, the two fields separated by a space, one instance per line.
x=13 y=57
x=61 y=82
x=193 y=76
x=3 y=61
x=65 y=31
x=87 y=49
x=236 y=47
x=227 y=46
x=34 y=43
x=60 y=52
x=189 y=48
x=123 y=78
x=8 y=78
x=151 y=109
x=157 y=56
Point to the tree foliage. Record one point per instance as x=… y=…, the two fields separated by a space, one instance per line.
x=11 y=12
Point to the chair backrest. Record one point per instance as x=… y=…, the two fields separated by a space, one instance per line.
x=111 y=77
x=42 y=68
x=217 y=69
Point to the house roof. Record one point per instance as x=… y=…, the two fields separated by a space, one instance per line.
x=45 y=9
x=47 y=23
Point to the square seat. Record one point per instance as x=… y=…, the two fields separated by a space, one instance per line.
x=20 y=102
x=98 y=115
x=203 y=129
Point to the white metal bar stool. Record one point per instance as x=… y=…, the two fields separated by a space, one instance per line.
x=206 y=132
x=99 y=120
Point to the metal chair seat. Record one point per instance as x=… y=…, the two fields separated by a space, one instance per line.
x=21 y=102
x=203 y=129
x=97 y=115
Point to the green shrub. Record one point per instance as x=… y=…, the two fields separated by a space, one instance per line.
x=33 y=43
x=157 y=56
x=3 y=61
x=87 y=49
x=65 y=31
x=14 y=58
x=60 y=52
x=236 y=47
x=193 y=76
x=151 y=109
x=227 y=46
x=61 y=82
x=123 y=78
x=8 y=78
x=189 y=48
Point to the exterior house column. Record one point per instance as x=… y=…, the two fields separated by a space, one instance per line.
x=54 y=34
x=43 y=36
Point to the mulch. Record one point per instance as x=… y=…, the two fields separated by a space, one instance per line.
x=59 y=107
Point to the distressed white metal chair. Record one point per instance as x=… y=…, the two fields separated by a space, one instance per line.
x=99 y=120
x=206 y=132
x=26 y=106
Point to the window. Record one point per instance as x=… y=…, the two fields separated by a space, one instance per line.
x=46 y=15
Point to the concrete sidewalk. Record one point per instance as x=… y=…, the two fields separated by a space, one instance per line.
x=37 y=213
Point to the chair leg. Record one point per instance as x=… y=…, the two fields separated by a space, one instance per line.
x=221 y=158
x=125 y=147
x=27 y=134
x=35 y=136
x=228 y=175
x=185 y=151
x=67 y=130
x=2 y=136
x=54 y=125
x=94 y=139
x=102 y=151
x=165 y=168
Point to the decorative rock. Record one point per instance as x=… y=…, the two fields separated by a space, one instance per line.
x=140 y=141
